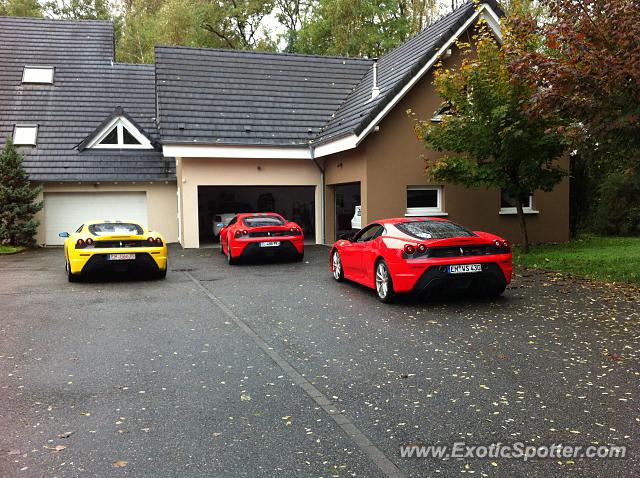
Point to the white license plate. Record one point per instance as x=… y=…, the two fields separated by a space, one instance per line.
x=121 y=257
x=465 y=268
x=270 y=244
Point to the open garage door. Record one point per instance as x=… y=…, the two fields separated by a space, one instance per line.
x=219 y=203
x=65 y=212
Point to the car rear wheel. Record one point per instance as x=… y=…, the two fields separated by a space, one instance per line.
x=299 y=257
x=336 y=267
x=161 y=274
x=230 y=259
x=70 y=277
x=384 y=284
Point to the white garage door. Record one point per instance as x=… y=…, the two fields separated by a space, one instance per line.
x=65 y=212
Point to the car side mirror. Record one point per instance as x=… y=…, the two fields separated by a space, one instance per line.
x=345 y=237
x=63 y=234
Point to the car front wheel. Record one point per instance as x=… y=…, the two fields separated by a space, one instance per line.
x=384 y=284
x=336 y=267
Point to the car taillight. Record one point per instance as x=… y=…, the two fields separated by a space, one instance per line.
x=80 y=243
x=409 y=249
x=151 y=240
x=295 y=231
x=421 y=248
x=502 y=244
x=89 y=242
x=238 y=234
x=158 y=241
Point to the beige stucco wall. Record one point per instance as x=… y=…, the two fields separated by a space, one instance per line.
x=161 y=203
x=391 y=159
x=194 y=172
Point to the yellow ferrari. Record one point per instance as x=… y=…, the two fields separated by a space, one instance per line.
x=120 y=246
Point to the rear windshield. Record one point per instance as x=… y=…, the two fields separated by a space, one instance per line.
x=434 y=229
x=110 y=228
x=261 y=221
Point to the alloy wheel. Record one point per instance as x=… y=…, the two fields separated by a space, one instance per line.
x=337 y=266
x=382 y=280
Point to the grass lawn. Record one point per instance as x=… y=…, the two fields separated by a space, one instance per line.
x=11 y=249
x=610 y=259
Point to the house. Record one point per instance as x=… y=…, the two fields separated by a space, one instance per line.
x=205 y=132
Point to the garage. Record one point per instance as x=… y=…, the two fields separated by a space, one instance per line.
x=219 y=203
x=347 y=207
x=65 y=212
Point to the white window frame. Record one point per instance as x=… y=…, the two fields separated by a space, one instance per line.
x=528 y=209
x=120 y=123
x=425 y=211
x=38 y=75
x=18 y=134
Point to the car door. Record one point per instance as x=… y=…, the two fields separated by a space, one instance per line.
x=359 y=251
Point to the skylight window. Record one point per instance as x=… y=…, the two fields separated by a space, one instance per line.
x=38 y=75
x=25 y=135
x=120 y=133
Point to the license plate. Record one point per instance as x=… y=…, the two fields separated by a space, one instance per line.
x=465 y=268
x=270 y=244
x=121 y=257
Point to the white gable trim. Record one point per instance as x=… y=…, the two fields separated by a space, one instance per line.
x=120 y=122
x=352 y=141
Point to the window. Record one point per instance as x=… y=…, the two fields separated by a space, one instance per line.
x=25 y=135
x=508 y=204
x=424 y=200
x=434 y=229
x=262 y=221
x=120 y=133
x=369 y=233
x=38 y=74
x=109 y=228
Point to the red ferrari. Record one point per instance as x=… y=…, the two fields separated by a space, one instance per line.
x=422 y=255
x=261 y=234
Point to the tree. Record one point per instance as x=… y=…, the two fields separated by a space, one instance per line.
x=354 y=28
x=17 y=200
x=292 y=15
x=238 y=23
x=20 y=8
x=587 y=69
x=79 y=9
x=486 y=136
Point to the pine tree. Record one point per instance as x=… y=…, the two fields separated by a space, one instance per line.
x=17 y=200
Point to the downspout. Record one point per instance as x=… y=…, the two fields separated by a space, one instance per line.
x=312 y=154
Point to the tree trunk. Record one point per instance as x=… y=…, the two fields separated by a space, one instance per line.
x=523 y=227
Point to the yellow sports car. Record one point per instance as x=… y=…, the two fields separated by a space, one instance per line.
x=114 y=245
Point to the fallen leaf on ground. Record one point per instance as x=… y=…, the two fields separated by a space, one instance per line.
x=216 y=434
x=120 y=464
x=65 y=435
x=14 y=452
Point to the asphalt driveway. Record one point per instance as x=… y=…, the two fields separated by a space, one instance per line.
x=271 y=370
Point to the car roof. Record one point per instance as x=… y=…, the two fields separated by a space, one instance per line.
x=109 y=221
x=254 y=214
x=400 y=220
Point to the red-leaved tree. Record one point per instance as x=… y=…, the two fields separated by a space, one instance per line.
x=587 y=69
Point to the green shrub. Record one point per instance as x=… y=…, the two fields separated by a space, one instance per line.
x=617 y=210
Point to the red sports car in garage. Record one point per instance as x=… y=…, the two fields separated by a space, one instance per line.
x=422 y=255
x=261 y=234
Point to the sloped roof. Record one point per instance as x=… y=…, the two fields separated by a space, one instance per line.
x=230 y=97
x=395 y=69
x=87 y=88
x=213 y=96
